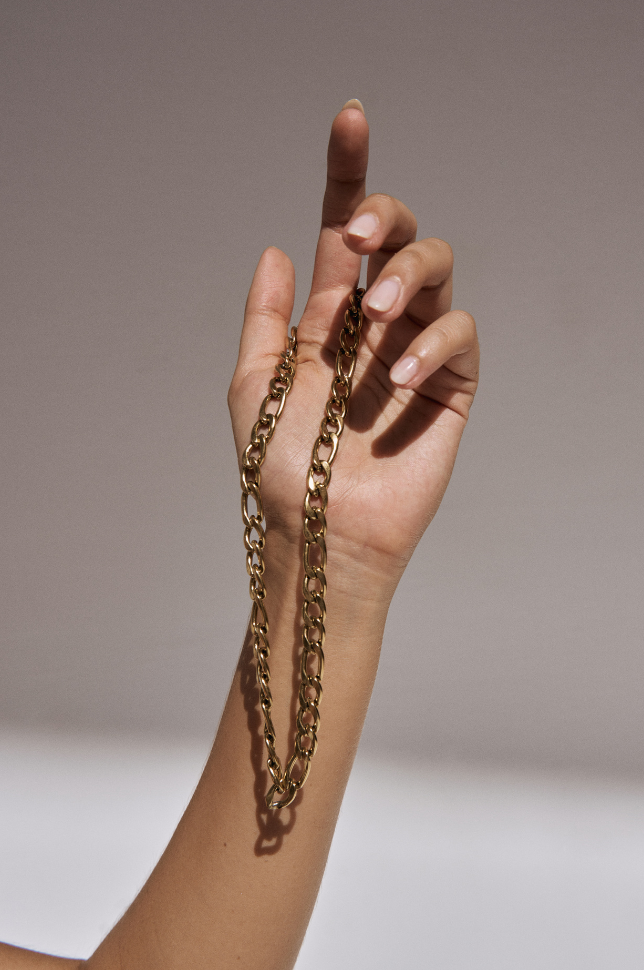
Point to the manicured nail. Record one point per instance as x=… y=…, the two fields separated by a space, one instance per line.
x=404 y=370
x=384 y=296
x=353 y=103
x=363 y=227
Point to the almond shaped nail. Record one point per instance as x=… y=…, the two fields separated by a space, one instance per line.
x=363 y=227
x=383 y=297
x=404 y=370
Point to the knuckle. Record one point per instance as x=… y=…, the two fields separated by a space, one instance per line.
x=433 y=259
x=417 y=259
x=464 y=321
x=445 y=247
x=449 y=254
x=394 y=209
x=380 y=198
x=444 y=252
x=441 y=332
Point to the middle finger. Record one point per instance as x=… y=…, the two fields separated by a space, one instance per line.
x=399 y=267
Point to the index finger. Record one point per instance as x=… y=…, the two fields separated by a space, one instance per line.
x=347 y=157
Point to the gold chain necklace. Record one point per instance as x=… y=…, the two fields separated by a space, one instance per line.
x=285 y=786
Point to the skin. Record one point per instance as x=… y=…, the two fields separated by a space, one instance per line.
x=237 y=884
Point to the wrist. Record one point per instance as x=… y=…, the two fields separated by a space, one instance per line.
x=359 y=588
x=353 y=631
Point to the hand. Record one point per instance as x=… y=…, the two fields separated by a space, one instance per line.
x=414 y=383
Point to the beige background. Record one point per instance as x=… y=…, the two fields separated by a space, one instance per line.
x=151 y=151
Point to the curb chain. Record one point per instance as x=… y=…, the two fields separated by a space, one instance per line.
x=287 y=782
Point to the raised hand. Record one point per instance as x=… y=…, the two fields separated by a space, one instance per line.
x=237 y=884
x=414 y=382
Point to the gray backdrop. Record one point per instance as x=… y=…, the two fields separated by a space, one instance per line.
x=151 y=151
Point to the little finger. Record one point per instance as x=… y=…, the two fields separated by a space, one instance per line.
x=450 y=339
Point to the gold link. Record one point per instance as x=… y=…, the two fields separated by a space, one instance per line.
x=300 y=754
x=321 y=467
x=340 y=413
x=251 y=543
x=308 y=729
x=332 y=443
x=285 y=787
x=267 y=417
x=315 y=650
x=273 y=802
x=317 y=602
x=321 y=544
x=256 y=441
x=318 y=516
x=313 y=511
x=311 y=595
x=316 y=489
x=258 y=607
x=340 y=389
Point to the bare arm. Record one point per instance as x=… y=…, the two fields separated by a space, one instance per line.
x=15 y=958
x=237 y=883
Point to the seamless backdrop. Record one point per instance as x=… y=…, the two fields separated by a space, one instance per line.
x=151 y=151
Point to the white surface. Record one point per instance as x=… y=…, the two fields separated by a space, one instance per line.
x=453 y=869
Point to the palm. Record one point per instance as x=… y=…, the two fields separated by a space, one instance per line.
x=396 y=452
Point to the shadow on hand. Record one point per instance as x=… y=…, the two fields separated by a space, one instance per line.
x=372 y=393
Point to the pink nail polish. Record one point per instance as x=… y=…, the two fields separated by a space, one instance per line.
x=363 y=227
x=384 y=296
x=404 y=370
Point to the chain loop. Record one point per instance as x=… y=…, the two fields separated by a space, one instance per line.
x=287 y=782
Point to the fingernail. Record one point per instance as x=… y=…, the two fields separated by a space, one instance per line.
x=353 y=103
x=384 y=296
x=404 y=370
x=364 y=226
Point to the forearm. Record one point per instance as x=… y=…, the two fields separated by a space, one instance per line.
x=15 y=958
x=237 y=883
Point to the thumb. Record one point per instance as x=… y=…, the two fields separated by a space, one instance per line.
x=268 y=312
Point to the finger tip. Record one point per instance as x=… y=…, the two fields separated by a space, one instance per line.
x=357 y=243
x=275 y=264
x=350 y=121
x=375 y=315
x=353 y=103
x=403 y=385
x=273 y=254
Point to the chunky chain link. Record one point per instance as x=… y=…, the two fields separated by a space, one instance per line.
x=287 y=782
